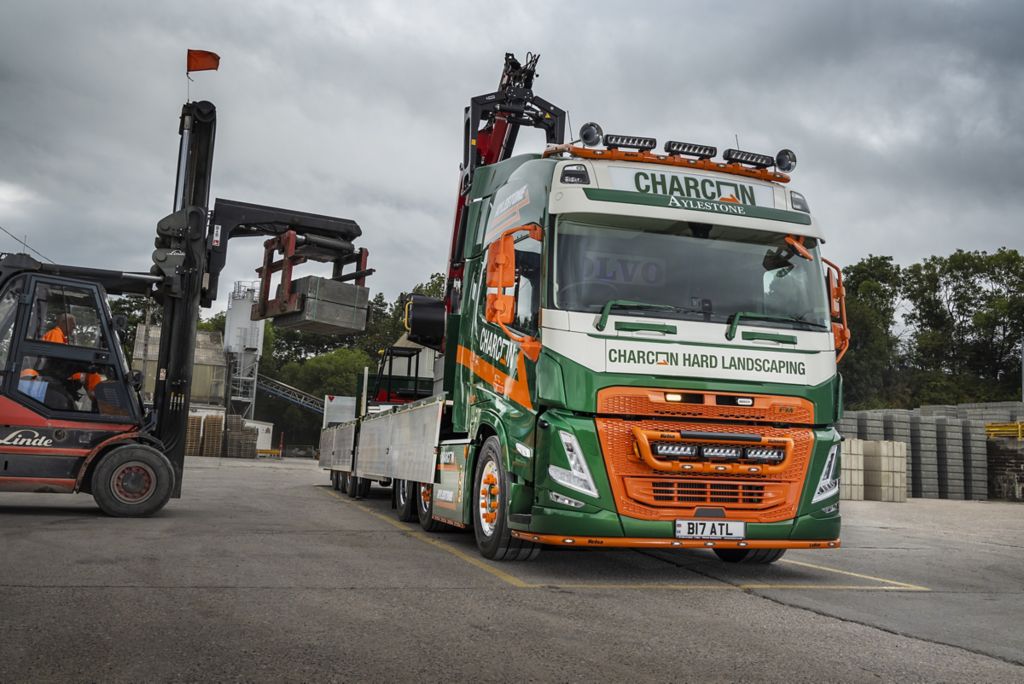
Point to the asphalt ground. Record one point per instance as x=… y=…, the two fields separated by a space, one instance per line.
x=262 y=572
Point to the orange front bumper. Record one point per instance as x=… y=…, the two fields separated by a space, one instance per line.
x=661 y=543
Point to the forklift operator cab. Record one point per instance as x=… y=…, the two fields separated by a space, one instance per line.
x=72 y=418
x=64 y=358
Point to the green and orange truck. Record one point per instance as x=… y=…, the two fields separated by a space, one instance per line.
x=637 y=348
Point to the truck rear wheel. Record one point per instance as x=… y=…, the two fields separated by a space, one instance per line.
x=493 y=536
x=350 y=484
x=405 y=500
x=751 y=556
x=424 y=495
x=132 y=481
x=342 y=482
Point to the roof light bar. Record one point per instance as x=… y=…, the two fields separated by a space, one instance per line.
x=758 y=161
x=690 y=149
x=634 y=142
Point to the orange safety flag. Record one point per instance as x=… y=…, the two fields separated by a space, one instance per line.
x=202 y=60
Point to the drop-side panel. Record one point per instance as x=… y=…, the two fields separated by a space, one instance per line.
x=326 y=448
x=414 y=438
x=344 y=442
x=373 y=459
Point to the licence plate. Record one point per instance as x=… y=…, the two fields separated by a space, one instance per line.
x=710 y=529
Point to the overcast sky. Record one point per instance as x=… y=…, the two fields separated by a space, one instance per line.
x=906 y=117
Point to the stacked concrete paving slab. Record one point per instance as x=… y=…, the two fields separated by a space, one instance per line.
x=851 y=473
x=869 y=425
x=975 y=445
x=924 y=456
x=949 y=438
x=885 y=471
x=896 y=428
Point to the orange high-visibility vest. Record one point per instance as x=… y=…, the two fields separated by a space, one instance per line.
x=55 y=335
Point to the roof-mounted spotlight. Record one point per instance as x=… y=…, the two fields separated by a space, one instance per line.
x=758 y=161
x=591 y=134
x=634 y=142
x=785 y=160
x=691 y=149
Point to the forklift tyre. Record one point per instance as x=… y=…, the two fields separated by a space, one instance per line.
x=405 y=500
x=132 y=481
x=490 y=521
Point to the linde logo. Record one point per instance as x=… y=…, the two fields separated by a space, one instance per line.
x=26 y=438
x=501 y=349
x=715 y=361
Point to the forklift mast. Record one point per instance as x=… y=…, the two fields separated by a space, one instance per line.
x=180 y=258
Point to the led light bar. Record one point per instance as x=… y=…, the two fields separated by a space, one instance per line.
x=634 y=142
x=675 y=449
x=765 y=454
x=721 y=451
x=691 y=149
x=758 y=161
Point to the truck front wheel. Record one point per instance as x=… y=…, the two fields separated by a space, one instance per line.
x=493 y=536
x=132 y=481
x=751 y=556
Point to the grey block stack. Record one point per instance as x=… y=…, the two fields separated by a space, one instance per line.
x=975 y=460
x=949 y=438
x=896 y=428
x=924 y=456
x=869 y=426
x=847 y=425
x=851 y=470
x=885 y=471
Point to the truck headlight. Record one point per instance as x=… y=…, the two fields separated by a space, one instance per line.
x=828 y=484
x=577 y=476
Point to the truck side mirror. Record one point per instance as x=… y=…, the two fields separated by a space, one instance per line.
x=424 y=319
x=501 y=274
x=837 y=308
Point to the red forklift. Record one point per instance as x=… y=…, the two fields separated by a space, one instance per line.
x=71 y=414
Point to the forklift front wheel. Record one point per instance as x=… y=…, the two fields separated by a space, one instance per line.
x=132 y=481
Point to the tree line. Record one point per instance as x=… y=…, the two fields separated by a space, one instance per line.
x=946 y=330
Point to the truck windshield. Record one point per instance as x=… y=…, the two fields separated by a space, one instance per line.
x=702 y=271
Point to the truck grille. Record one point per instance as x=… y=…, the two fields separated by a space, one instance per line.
x=647 y=494
x=638 y=401
x=689 y=493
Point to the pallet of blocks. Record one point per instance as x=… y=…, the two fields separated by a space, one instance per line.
x=924 y=454
x=975 y=460
x=213 y=429
x=950 y=441
x=851 y=473
x=241 y=443
x=885 y=471
x=194 y=436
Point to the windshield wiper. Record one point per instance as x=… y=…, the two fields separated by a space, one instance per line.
x=606 y=310
x=730 y=333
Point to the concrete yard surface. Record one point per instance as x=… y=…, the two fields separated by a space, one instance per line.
x=261 y=572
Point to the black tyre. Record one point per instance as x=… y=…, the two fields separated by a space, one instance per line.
x=351 y=485
x=132 y=481
x=405 y=500
x=342 y=482
x=751 y=556
x=334 y=480
x=424 y=495
x=490 y=522
x=362 y=487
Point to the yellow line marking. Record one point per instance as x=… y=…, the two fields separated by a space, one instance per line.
x=516 y=582
x=903 y=585
x=423 y=537
x=732 y=587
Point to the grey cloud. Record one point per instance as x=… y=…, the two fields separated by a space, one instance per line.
x=904 y=115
